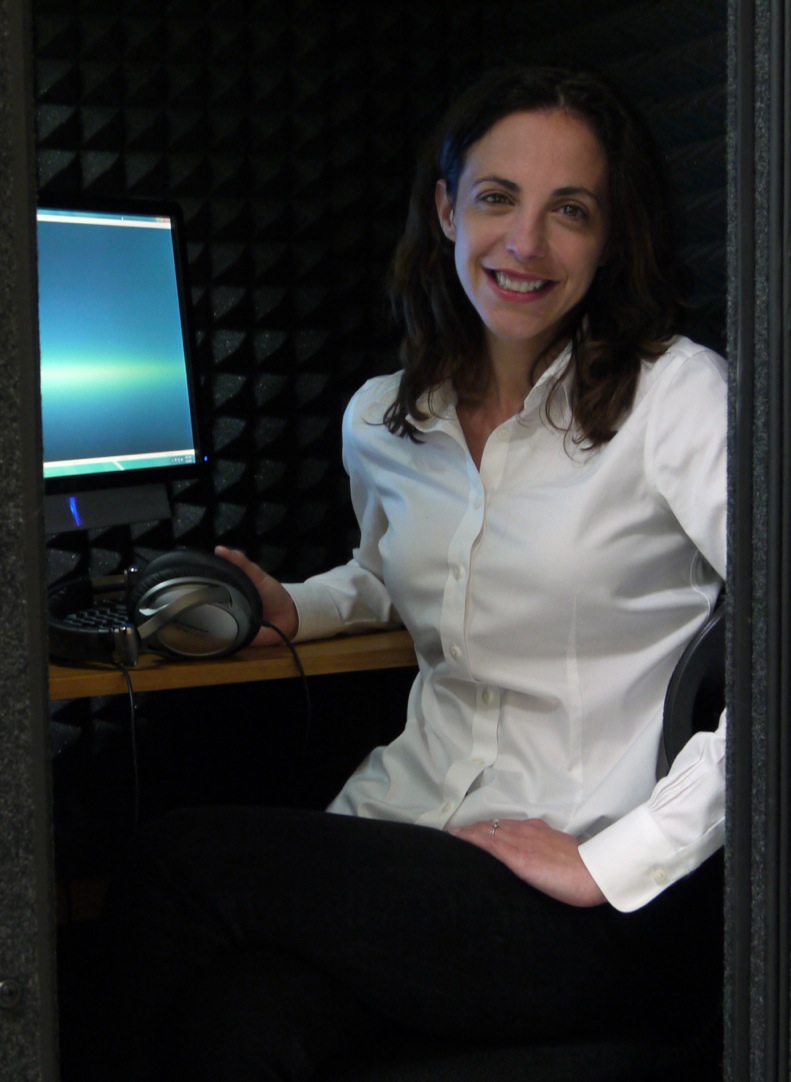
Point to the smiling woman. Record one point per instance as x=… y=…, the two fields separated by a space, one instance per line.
x=541 y=498
x=529 y=225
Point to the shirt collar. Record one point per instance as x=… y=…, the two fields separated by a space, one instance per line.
x=439 y=405
x=550 y=376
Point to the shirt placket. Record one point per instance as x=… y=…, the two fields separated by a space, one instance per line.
x=482 y=707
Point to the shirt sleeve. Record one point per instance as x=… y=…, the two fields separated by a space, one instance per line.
x=683 y=821
x=352 y=598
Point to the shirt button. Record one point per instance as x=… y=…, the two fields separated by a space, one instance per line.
x=660 y=876
x=448 y=807
x=458 y=572
x=477 y=503
x=502 y=434
x=455 y=652
x=487 y=696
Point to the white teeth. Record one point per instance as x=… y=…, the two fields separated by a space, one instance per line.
x=518 y=285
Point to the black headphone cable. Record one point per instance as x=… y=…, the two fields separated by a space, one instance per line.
x=133 y=750
x=133 y=719
x=303 y=678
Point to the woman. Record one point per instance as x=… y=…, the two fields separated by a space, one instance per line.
x=541 y=500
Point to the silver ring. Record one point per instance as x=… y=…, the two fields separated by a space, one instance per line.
x=493 y=828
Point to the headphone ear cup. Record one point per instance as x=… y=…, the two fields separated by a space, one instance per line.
x=194 y=604
x=65 y=641
x=85 y=621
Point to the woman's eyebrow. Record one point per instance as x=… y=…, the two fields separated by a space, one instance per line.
x=512 y=186
x=509 y=185
x=578 y=191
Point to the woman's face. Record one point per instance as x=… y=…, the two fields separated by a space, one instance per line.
x=529 y=224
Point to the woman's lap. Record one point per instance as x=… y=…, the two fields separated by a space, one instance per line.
x=325 y=922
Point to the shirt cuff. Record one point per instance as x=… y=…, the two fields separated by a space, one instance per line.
x=317 y=612
x=632 y=861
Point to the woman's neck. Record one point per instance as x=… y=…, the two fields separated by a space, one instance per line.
x=511 y=374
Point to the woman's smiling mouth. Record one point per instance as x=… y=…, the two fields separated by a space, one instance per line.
x=522 y=286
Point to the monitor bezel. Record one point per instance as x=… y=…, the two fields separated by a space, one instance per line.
x=153 y=475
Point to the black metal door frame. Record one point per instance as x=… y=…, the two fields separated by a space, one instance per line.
x=759 y=753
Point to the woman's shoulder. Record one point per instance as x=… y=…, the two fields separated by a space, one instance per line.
x=682 y=352
x=686 y=374
x=683 y=362
x=370 y=403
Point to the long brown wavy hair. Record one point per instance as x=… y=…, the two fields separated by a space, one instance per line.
x=632 y=306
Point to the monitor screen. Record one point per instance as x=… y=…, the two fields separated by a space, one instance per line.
x=118 y=404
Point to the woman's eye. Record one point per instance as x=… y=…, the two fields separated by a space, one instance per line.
x=572 y=210
x=494 y=198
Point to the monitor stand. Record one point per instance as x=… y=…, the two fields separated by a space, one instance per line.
x=103 y=508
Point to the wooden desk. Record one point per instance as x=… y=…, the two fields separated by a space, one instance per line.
x=350 y=653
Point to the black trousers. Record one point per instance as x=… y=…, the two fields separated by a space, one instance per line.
x=254 y=944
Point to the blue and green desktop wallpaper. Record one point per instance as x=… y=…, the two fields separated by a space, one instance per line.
x=113 y=367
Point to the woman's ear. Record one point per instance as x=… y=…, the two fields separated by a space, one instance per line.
x=445 y=210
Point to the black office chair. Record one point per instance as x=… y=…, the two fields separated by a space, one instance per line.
x=694 y=701
x=696 y=693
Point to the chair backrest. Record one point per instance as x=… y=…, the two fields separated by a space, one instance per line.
x=696 y=693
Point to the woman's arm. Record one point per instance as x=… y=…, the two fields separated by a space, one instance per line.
x=683 y=821
x=349 y=598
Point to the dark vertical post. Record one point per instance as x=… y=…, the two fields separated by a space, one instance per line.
x=757 y=1007
x=27 y=998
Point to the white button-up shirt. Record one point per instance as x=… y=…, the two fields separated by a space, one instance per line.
x=549 y=595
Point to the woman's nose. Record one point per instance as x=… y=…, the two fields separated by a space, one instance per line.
x=526 y=238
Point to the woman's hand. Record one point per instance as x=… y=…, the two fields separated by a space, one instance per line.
x=547 y=859
x=279 y=609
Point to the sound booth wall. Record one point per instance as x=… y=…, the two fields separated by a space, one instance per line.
x=27 y=986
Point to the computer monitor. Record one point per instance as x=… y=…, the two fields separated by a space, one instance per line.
x=119 y=410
